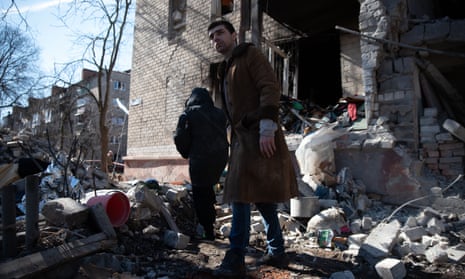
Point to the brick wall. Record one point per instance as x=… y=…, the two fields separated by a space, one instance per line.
x=442 y=153
x=351 y=66
x=167 y=64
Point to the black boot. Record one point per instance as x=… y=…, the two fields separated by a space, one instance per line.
x=232 y=266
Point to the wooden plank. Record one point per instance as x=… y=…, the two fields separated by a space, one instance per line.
x=33 y=264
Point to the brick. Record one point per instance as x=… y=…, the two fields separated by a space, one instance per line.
x=414 y=233
x=456 y=253
x=450 y=160
x=437 y=254
x=391 y=269
x=430 y=112
x=435 y=226
x=451 y=146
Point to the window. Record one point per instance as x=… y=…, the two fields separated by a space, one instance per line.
x=177 y=17
x=81 y=102
x=35 y=119
x=80 y=111
x=48 y=116
x=117 y=121
x=80 y=119
x=114 y=140
x=227 y=6
x=119 y=85
x=221 y=7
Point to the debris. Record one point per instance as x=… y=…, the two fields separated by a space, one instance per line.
x=331 y=218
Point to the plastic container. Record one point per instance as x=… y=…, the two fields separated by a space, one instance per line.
x=116 y=205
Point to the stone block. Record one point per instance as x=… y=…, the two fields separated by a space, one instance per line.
x=257 y=227
x=65 y=212
x=356 y=239
x=429 y=241
x=435 y=226
x=356 y=226
x=391 y=269
x=456 y=253
x=415 y=233
x=411 y=222
x=367 y=223
x=417 y=248
x=437 y=254
x=380 y=241
x=402 y=249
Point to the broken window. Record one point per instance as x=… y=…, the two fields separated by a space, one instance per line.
x=221 y=7
x=177 y=18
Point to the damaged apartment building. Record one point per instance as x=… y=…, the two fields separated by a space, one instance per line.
x=404 y=60
x=68 y=117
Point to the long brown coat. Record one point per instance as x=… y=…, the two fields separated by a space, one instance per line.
x=253 y=93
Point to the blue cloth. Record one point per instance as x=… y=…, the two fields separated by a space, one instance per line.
x=240 y=230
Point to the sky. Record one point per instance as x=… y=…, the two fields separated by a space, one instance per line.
x=58 y=44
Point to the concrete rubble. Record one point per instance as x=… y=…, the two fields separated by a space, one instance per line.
x=342 y=214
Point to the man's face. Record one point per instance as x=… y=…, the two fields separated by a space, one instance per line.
x=221 y=40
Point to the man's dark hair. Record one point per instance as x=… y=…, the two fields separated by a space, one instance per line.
x=223 y=22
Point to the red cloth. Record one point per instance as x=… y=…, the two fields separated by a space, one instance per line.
x=352 y=110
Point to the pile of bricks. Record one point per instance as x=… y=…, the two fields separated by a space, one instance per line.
x=441 y=151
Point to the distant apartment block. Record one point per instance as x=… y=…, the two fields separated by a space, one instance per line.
x=70 y=114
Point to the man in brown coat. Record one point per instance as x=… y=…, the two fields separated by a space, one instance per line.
x=260 y=169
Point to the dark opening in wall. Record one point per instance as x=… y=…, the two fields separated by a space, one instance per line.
x=454 y=9
x=227 y=6
x=319 y=69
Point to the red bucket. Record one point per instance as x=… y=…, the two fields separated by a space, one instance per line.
x=116 y=205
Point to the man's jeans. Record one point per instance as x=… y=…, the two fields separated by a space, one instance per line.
x=240 y=230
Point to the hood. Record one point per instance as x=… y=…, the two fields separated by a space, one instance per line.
x=199 y=97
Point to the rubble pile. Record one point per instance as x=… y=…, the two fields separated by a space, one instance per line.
x=339 y=231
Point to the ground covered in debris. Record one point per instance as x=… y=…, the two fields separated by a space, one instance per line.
x=140 y=254
x=140 y=250
x=153 y=259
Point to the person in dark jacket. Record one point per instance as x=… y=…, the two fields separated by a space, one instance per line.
x=201 y=137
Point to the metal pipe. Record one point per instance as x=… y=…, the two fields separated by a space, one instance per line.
x=448 y=53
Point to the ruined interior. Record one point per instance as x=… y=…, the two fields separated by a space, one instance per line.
x=429 y=33
x=319 y=45
x=317 y=50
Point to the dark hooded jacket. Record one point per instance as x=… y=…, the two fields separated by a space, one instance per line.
x=201 y=137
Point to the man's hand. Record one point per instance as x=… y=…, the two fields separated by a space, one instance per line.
x=267 y=145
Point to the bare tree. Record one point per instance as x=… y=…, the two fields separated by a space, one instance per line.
x=18 y=68
x=102 y=52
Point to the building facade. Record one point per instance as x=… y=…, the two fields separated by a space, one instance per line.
x=70 y=116
x=401 y=58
